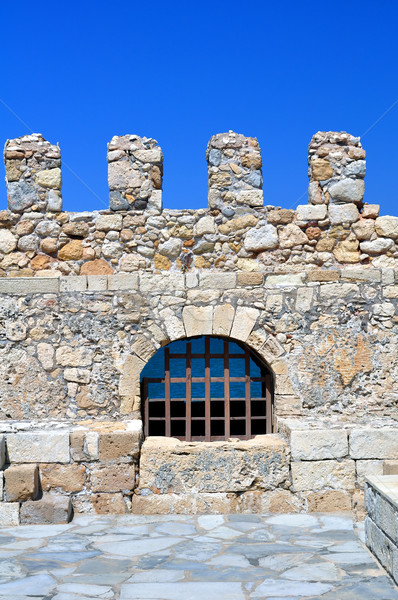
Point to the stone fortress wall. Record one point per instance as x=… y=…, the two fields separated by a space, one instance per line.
x=88 y=298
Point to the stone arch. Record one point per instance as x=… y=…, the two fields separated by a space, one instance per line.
x=240 y=324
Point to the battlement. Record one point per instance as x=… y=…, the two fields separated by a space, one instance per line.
x=236 y=232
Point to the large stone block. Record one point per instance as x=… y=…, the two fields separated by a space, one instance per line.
x=69 y=478
x=245 y=319
x=50 y=509
x=170 y=466
x=38 y=446
x=318 y=444
x=222 y=319
x=374 y=443
x=324 y=474
x=198 y=320
x=22 y=482
x=113 y=478
x=327 y=501
x=185 y=504
x=9 y=514
x=119 y=446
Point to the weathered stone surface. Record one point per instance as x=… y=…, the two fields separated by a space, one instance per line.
x=347 y=190
x=71 y=251
x=8 y=241
x=9 y=514
x=50 y=178
x=223 y=319
x=238 y=224
x=344 y=213
x=68 y=478
x=205 y=225
x=49 y=509
x=109 y=222
x=120 y=446
x=198 y=320
x=21 y=482
x=373 y=443
x=318 y=444
x=96 y=267
x=66 y=356
x=244 y=321
x=378 y=246
x=113 y=478
x=170 y=466
x=323 y=474
x=387 y=227
x=306 y=212
x=263 y=238
x=39 y=446
x=321 y=169
x=105 y=504
x=291 y=236
x=328 y=501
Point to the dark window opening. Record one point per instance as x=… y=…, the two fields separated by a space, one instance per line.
x=206 y=388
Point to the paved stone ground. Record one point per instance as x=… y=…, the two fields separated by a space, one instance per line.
x=212 y=557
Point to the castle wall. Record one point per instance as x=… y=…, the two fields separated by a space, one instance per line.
x=88 y=298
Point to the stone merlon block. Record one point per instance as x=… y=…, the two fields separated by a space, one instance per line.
x=38 y=446
x=374 y=443
x=318 y=444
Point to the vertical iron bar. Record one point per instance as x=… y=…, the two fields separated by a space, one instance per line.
x=268 y=404
x=146 y=404
x=188 y=394
x=207 y=390
x=247 y=392
x=227 y=404
x=167 y=391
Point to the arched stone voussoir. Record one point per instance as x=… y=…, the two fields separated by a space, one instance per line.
x=173 y=325
x=129 y=384
x=223 y=317
x=198 y=320
x=244 y=322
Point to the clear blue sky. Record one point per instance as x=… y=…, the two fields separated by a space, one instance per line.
x=81 y=72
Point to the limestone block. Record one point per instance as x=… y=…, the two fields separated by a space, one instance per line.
x=343 y=213
x=97 y=283
x=73 y=284
x=168 y=465
x=387 y=227
x=365 y=468
x=123 y=282
x=45 y=354
x=291 y=236
x=318 y=475
x=272 y=501
x=50 y=178
x=198 y=320
x=105 y=504
x=245 y=319
x=370 y=211
x=374 y=443
x=205 y=225
x=311 y=212
x=321 y=169
x=238 y=224
x=327 y=501
x=97 y=267
x=364 y=229
x=361 y=274
x=8 y=241
x=263 y=238
x=38 y=446
x=318 y=444
x=50 y=509
x=375 y=247
x=250 y=278
x=29 y=285
x=347 y=191
x=338 y=290
x=166 y=282
x=119 y=446
x=250 y=197
x=185 y=504
x=77 y=375
x=173 y=325
x=9 y=514
x=112 y=222
x=129 y=383
x=304 y=299
x=223 y=319
x=217 y=281
x=113 y=478
x=143 y=348
x=292 y=279
x=71 y=251
x=68 y=478
x=21 y=482
x=66 y=356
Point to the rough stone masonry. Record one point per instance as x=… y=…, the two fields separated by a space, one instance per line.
x=88 y=298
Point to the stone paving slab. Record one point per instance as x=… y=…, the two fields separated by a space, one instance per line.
x=177 y=557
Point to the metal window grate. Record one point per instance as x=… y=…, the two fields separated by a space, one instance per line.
x=209 y=418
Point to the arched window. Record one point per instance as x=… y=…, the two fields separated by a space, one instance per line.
x=206 y=388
